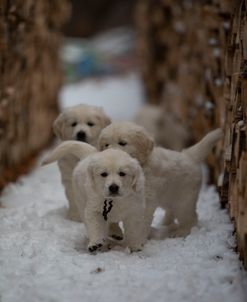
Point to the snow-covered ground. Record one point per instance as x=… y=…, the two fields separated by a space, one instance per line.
x=43 y=256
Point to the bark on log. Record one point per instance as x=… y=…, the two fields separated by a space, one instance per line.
x=30 y=76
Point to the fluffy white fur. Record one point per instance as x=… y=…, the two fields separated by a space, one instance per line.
x=158 y=123
x=92 y=181
x=173 y=179
x=82 y=123
x=68 y=154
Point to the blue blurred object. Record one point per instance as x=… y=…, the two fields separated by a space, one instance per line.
x=106 y=54
x=87 y=65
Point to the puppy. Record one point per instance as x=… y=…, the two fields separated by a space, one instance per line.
x=109 y=188
x=173 y=179
x=81 y=123
x=78 y=151
x=159 y=124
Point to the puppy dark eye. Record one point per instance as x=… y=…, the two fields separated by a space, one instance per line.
x=106 y=145
x=122 y=174
x=104 y=174
x=122 y=143
x=74 y=124
x=90 y=124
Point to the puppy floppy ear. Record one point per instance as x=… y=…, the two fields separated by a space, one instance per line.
x=103 y=118
x=90 y=171
x=58 y=126
x=144 y=144
x=138 y=180
x=101 y=143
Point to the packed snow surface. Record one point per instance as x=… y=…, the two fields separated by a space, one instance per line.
x=43 y=256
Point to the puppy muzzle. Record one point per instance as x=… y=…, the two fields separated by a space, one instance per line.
x=81 y=136
x=113 y=190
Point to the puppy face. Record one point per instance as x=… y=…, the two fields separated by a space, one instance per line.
x=82 y=122
x=114 y=173
x=128 y=137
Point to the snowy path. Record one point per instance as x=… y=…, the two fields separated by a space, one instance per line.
x=43 y=256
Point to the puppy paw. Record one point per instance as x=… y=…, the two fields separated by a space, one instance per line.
x=95 y=247
x=158 y=234
x=136 y=248
x=116 y=232
x=117 y=237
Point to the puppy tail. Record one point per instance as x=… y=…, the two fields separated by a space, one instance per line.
x=78 y=149
x=200 y=151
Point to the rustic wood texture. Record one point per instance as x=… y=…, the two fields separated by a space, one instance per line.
x=30 y=76
x=194 y=62
x=235 y=96
x=89 y=17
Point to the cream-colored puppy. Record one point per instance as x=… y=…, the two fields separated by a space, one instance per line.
x=81 y=123
x=78 y=151
x=158 y=123
x=173 y=179
x=109 y=188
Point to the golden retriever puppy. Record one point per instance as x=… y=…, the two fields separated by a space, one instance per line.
x=78 y=151
x=158 y=123
x=81 y=123
x=173 y=179
x=109 y=188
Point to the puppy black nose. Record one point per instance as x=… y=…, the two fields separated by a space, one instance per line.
x=81 y=136
x=114 y=188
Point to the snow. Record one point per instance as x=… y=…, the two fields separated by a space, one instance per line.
x=121 y=97
x=43 y=255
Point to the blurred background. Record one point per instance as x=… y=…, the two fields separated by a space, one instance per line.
x=100 y=39
x=187 y=59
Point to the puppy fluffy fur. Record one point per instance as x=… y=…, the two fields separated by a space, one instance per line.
x=82 y=123
x=95 y=180
x=173 y=179
x=159 y=124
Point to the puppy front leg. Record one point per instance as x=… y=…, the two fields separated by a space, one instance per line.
x=73 y=213
x=148 y=216
x=134 y=231
x=185 y=224
x=169 y=217
x=66 y=169
x=187 y=217
x=115 y=231
x=97 y=231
